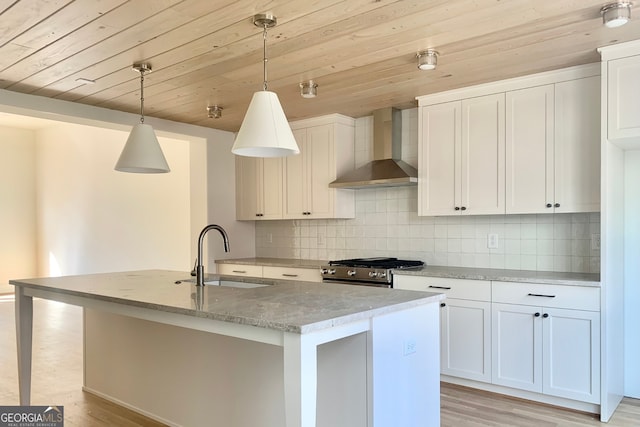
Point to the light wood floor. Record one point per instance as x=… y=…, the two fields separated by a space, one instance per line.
x=57 y=380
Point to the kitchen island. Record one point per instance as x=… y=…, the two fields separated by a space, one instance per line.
x=401 y=330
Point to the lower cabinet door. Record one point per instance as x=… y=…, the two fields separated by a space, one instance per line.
x=465 y=339
x=517 y=346
x=571 y=356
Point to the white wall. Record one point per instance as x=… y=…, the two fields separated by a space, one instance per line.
x=17 y=206
x=632 y=274
x=94 y=219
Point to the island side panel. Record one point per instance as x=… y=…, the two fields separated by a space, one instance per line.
x=184 y=377
x=404 y=368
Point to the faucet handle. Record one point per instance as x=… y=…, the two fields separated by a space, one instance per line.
x=195 y=268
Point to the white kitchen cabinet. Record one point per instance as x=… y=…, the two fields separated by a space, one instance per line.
x=553 y=148
x=258 y=188
x=465 y=324
x=623 y=93
x=461 y=157
x=529 y=150
x=292 y=273
x=326 y=151
x=540 y=347
x=270 y=272
x=239 y=269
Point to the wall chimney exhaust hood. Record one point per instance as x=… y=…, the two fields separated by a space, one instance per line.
x=387 y=169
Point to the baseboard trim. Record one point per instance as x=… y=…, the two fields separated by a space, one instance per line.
x=130 y=407
x=524 y=395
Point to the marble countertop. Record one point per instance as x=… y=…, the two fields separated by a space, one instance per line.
x=529 y=276
x=285 y=305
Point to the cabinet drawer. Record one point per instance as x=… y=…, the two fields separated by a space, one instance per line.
x=240 y=270
x=535 y=294
x=478 y=290
x=288 y=273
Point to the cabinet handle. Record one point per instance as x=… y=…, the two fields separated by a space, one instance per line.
x=549 y=205
x=289 y=275
x=457 y=208
x=439 y=287
x=557 y=205
x=464 y=208
x=443 y=304
x=258 y=214
x=545 y=315
x=537 y=314
x=240 y=271
x=542 y=295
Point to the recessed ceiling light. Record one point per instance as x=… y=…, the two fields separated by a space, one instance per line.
x=616 y=14
x=309 y=89
x=427 y=59
x=214 y=111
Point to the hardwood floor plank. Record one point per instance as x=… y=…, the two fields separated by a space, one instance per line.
x=57 y=379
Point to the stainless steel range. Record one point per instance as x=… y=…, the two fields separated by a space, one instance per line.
x=366 y=271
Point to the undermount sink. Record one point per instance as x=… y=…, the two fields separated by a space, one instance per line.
x=233 y=284
x=225 y=283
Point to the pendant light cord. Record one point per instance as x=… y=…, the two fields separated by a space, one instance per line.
x=264 y=57
x=142 y=96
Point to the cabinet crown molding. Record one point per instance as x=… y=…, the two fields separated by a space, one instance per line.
x=539 y=79
x=619 y=50
x=323 y=120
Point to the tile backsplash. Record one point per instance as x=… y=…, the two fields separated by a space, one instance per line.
x=387 y=224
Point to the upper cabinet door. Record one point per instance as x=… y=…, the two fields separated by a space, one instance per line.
x=294 y=182
x=482 y=156
x=321 y=170
x=247 y=188
x=624 y=99
x=270 y=188
x=529 y=150
x=577 y=145
x=439 y=159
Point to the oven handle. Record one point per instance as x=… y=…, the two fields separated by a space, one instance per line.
x=440 y=287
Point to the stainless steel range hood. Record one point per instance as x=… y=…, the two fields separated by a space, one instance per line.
x=387 y=169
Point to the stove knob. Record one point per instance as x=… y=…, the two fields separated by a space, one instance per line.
x=351 y=273
x=382 y=274
x=324 y=271
x=373 y=274
x=332 y=271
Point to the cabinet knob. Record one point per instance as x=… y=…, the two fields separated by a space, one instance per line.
x=549 y=205
x=557 y=205
x=464 y=208
x=457 y=208
x=545 y=315
x=443 y=304
x=537 y=314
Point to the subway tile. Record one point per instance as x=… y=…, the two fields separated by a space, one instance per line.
x=512 y=231
x=512 y=247
x=512 y=262
x=562 y=247
x=562 y=231
x=453 y=245
x=544 y=231
x=528 y=247
x=468 y=245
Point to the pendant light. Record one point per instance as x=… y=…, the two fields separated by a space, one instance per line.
x=265 y=131
x=142 y=152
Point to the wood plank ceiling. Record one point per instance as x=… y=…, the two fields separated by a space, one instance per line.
x=362 y=53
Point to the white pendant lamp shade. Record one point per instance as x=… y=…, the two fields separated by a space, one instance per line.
x=265 y=131
x=142 y=152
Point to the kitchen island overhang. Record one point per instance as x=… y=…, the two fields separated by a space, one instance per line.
x=401 y=328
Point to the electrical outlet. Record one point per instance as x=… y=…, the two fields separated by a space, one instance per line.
x=595 y=242
x=409 y=347
x=492 y=241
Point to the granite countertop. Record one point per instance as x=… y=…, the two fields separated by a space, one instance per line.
x=276 y=262
x=528 y=276
x=285 y=305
